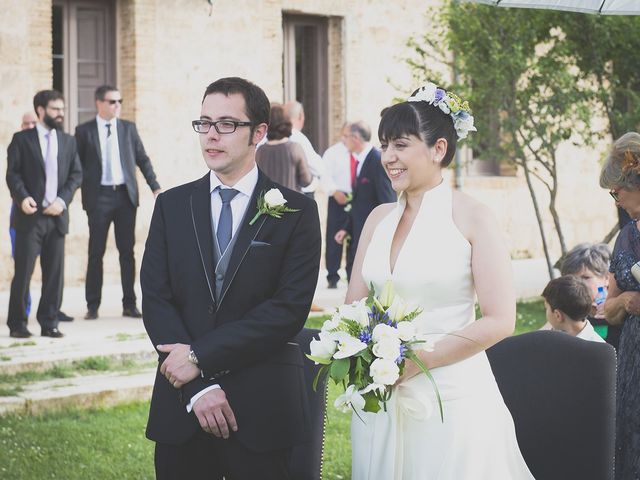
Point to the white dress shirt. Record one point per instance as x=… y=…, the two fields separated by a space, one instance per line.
x=245 y=187
x=116 y=165
x=362 y=156
x=313 y=159
x=589 y=333
x=44 y=141
x=337 y=164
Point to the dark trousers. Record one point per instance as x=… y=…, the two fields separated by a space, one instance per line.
x=113 y=206
x=12 y=234
x=43 y=239
x=336 y=219
x=208 y=457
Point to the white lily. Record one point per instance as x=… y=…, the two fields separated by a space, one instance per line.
x=324 y=347
x=350 y=398
x=348 y=346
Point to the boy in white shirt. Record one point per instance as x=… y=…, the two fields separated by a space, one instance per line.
x=567 y=302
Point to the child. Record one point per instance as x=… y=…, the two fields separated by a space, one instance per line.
x=567 y=302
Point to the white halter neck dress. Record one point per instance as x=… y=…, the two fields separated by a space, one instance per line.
x=409 y=441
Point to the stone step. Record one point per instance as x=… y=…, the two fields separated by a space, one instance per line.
x=102 y=390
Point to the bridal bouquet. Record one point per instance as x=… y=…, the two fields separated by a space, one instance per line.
x=364 y=347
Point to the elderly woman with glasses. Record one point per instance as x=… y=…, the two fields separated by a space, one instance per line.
x=621 y=175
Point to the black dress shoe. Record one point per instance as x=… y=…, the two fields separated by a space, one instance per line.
x=51 y=332
x=332 y=284
x=91 y=314
x=63 y=317
x=20 y=333
x=132 y=312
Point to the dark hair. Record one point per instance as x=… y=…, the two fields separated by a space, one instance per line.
x=422 y=120
x=254 y=97
x=43 y=97
x=279 y=123
x=570 y=295
x=102 y=90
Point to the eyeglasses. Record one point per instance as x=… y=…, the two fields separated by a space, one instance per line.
x=221 y=126
x=113 y=102
x=614 y=195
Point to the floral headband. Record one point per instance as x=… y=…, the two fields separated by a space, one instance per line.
x=450 y=104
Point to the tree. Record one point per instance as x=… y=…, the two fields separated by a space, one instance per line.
x=519 y=77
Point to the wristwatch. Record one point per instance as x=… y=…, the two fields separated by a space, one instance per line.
x=192 y=357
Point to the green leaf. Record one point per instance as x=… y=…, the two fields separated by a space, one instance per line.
x=321 y=372
x=371 y=403
x=340 y=369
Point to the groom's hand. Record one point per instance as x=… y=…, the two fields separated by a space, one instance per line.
x=214 y=413
x=177 y=368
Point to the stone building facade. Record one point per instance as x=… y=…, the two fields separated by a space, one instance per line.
x=337 y=57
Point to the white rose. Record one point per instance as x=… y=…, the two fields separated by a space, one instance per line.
x=274 y=198
x=383 y=331
x=348 y=346
x=388 y=348
x=324 y=347
x=384 y=372
x=357 y=311
x=406 y=330
x=464 y=125
x=350 y=398
x=426 y=93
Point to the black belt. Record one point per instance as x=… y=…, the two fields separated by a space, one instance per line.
x=113 y=188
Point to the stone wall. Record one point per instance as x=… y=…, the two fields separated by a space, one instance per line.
x=168 y=52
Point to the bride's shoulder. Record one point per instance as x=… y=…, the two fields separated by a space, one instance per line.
x=470 y=215
x=376 y=216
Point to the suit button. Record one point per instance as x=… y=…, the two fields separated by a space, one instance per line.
x=210 y=309
x=219 y=276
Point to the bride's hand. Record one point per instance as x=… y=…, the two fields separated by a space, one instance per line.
x=410 y=370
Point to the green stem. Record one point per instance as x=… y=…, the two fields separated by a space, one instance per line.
x=253 y=220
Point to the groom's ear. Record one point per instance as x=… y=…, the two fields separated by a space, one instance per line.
x=259 y=132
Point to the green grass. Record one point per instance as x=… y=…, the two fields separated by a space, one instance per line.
x=110 y=444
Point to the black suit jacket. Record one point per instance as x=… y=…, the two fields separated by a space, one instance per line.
x=132 y=153
x=373 y=188
x=240 y=340
x=26 y=176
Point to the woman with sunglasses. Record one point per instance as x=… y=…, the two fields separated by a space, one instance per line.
x=621 y=175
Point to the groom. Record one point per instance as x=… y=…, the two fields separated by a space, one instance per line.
x=222 y=298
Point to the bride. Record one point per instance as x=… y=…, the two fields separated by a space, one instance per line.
x=439 y=248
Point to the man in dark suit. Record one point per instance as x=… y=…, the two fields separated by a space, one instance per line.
x=110 y=149
x=372 y=187
x=225 y=287
x=43 y=173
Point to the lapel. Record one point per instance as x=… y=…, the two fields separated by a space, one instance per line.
x=200 y=203
x=121 y=147
x=246 y=234
x=94 y=140
x=34 y=143
x=62 y=171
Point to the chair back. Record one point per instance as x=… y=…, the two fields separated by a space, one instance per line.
x=560 y=391
x=306 y=459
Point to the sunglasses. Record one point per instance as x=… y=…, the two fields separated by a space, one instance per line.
x=113 y=102
x=614 y=195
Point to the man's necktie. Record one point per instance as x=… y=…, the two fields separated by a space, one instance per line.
x=108 y=174
x=225 y=222
x=354 y=170
x=51 y=170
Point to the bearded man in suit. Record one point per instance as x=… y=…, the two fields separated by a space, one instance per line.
x=43 y=173
x=226 y=286
x=110 y=149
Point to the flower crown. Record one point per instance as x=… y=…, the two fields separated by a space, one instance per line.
x=449 y=103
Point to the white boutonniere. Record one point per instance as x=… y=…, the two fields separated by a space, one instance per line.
x=272 y=203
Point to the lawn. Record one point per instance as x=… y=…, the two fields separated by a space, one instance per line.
x=109 y=443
